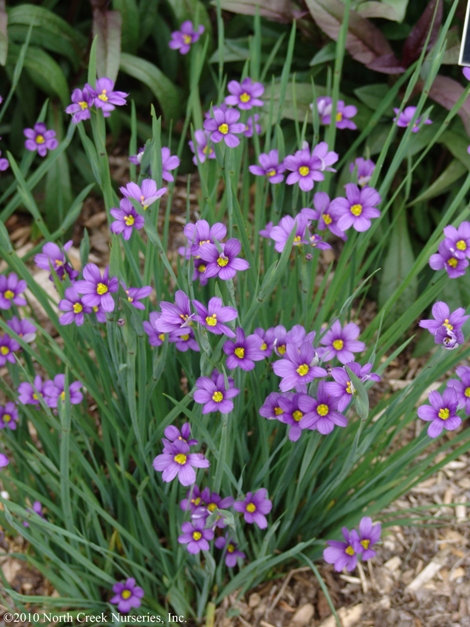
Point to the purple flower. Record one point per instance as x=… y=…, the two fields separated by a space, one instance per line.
x=271 y=408
x=266 y=232
x=307 y=167
x=466 y=73
x=184 y=342
x=404 y=118
x=29 y=394
x=173 y=434
x=232 y=553
x=104 y=97
x=195 y=536
x=268 y=340
x=252 y=126
x=270 y=167
x=211 y=504
x=224 y=264
x=7 y=348
x=458 y=240
x=127 y=595
x=243 y=352
x=4 y=163
x=156 y=337
x=10 y=291
x=40 y=139
x=74 y=308
x=245 y=95
x=321 y=413
x=23 y=327
x=449 y=339
x=177 y=317
x=298 y=368
x=441 y=413
x=177 y=461
x=462 y=387
x=364 y=169
x=254 y=507
x=97 y=289
x=357 y=208
x=224 y=126
x=145 y=195
x=214 y=315
x=203 y=149
x=36 y=509
x=214 y=395
x=343 y=554
x=293 y=415
x=201 y=233
x=344 y=113
x=342 y=388
x=444 y=319
x=134 y=294
x=182 y=39
x=169 y=162
x=4 y=461
x=53 y=259
x=281 y=233
x=137 y=159
x=127 y=219
x=82 y=100
x=194 y=499
x=341 y=342
x=8 y=416
x=325 y=214
x=53 y=390
x=316 y=241
x=444 y=258
x=369 y=535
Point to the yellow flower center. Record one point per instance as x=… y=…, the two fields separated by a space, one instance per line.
x=452 y=262
x=350 y=388
x=126 y=594
x=444 y=413
x=40 y=139
x=327 y=219
x=187 y=39
x=35 y=396
x=206 y=150
x=4 y=350
x=281 y=349
x=130 y=299
x=196 y=501
x=338 y=344
x=101 y=288
x=251 y=507
x=339 y=116
x=197 y=535
x=349 y=550
x=9 y=294
x=223 y=128
x=467 y=392
x=323 y=409
x=62 y=395
x=447 y=325
x=211 y=320
x=202 y=269
x=264 y=346
x=58 y=263
x=161 y=336
x=185 y=338
x=180 y=458
x=461 y=245
x=217 y=397
x=77 y=308
x=297 y=239
x=240 y=352
x=103 y=96
x=278 y=411
x=297 y=415
x=271 y=173
x=304 y=170
x=303 y=370
x=6 y=417
x=212 y=507
x=365 y=543
x=356 y=210
x=230 y=548
x=245 y=97
x=129 y=220
x=83 y=105
x=222 y=261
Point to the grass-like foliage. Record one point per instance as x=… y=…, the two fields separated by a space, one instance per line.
x=107 y=514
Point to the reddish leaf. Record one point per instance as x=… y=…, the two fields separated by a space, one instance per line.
x=107 y=26
x=446 y=92
x=417 y=38
x=278 y=10
x=388 y=64
x=364 y=41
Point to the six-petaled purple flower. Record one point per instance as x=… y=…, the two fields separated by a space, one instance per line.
x=225 y=126
x=182 y=39
x=254 y=507
x=40 y=139
x=127 y=595
x=441 y=413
